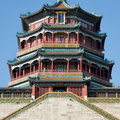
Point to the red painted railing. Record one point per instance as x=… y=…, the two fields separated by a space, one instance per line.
x=94 y=75
x=46 y=70
x=48 y=42
x=60 y=70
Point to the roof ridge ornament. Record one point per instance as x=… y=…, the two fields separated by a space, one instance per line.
x=75 y=5
x=61 y=0
x=99 y=15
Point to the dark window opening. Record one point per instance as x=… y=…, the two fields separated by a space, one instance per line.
x=59 y=89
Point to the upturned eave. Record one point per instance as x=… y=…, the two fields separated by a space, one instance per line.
x=58 y=27
x=41 y=52
x=98 y=59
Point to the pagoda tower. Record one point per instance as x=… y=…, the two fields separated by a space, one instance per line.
x=60 y=49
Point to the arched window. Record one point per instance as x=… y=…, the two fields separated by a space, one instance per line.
x=60 y=65
x=39 y=38
x=34 y=66
x=85 y=66
x=46 y=65
x=48 y=37
x=98 y=45
x=25 y=69
x=95 y=70
x=81 y=38
x=73 y=38
x=73 y=65
x=60 y=38
x=89 y=42
x=16 y=72
x=32 y=41
x=104 y=73
x=23 y=43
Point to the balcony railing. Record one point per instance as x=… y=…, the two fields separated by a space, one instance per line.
x=95 y=75
x=73 y=70
x=48 y=42
x=60 y=70
x=24 y=75
x=60 y=42
x=45 y=70
x=69 y=95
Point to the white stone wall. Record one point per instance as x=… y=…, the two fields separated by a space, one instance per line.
x=112 y=108
x=7 y=108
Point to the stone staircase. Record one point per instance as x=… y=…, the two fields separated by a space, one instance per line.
x=60 y=106
x=59 y=109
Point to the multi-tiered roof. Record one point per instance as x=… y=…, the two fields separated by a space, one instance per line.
x=60 y=43
x=75 y=11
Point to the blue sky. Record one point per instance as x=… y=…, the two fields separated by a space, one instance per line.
x=10 y=24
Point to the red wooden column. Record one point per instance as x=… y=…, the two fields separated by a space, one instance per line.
x=84 y=41
x=108 y=76
x=19 y=71
x=101 y=46
x=80 y=65
x=68 y=38
x=68 y=65
x=33 y=92
x=20 y=46
x=11 y=74
x=52 y=65
x=68 y=89
x=36 y=39
x=78 y=37
x=100 y=72
x=23 y=72
x=16 y=74
x=84 y=92
x=50 y=88
x=52 y=37
x=43 y=37
x=96 y=72
x=39 y=65
x=31 y=68
x=26 y=46
x=89 y=68
x=53 y=20
x=48 y=20
x=95 y=44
